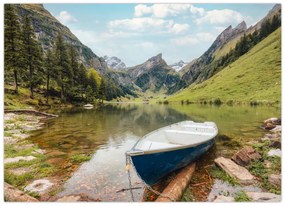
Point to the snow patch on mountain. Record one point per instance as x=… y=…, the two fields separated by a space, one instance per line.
x=178 y=65
x=114 y=62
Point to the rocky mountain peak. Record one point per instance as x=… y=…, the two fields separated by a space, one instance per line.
x=276 y=8
x=156 y=58
x=241 y=26
x=153 y=61
x=228 y=34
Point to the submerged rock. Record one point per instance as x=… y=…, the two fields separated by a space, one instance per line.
x=263 y=197
x=240 y=173
x=40 y=186
x=275 y=179
x=222 y=198
x=274 y=152
x=17 y=159
x=244 y=156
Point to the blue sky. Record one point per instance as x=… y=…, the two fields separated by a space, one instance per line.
x=136 y=32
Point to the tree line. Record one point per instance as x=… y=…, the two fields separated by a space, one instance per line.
x=58 y=70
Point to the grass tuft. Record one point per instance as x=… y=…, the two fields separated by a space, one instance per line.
x=78 y=158
x=242 y=197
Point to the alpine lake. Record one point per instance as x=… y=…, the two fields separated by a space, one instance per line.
x=106 y=133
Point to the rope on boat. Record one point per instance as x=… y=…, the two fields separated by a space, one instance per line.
x=128 y=167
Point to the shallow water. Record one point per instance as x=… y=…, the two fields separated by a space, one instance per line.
x=107 y=133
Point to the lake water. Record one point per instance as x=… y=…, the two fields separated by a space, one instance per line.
x=108 y=132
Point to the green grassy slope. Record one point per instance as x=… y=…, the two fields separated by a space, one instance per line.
x=255 y=76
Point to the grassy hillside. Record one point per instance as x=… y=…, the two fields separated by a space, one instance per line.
x=255 y=76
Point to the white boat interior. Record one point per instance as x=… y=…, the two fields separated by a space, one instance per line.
x=182 y=134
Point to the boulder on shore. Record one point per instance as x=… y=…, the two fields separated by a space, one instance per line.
x=236 y=171
x=271 y=123
x=12 y=194
x=17 y=159
x=276 y=143
x=244 y=156
x=40 y=186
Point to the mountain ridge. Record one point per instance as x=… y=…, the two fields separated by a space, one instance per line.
x=251 y=78
x=199 y=70
x=47 y=28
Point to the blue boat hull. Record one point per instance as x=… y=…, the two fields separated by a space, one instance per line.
x=153 y=167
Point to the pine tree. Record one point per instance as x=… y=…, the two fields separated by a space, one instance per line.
x=48 y=70
x=73 y=65
x=62 y=64
x=12 y=43
x=82 y=80
x=102 y=91
x=32 y=55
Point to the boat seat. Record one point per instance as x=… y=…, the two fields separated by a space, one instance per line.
x=187 y=132
x=150 y=145
x=185 y=137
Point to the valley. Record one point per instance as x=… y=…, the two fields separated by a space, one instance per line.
x=74 y=102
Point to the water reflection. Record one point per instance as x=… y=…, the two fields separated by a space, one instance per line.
x=113 y=129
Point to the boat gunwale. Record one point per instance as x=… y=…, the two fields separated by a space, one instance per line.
x=137 y=152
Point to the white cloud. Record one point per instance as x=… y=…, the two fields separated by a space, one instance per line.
x=179 y=28
x=141 y=10
x=65 y=17
x=148 y=24
x=193 y=39
x=165 y=10
x=220 y=17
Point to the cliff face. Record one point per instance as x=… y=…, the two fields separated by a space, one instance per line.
x=47 y=28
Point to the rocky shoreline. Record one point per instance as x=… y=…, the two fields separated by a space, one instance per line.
x=29 y=172
x=254 y=172
x=24 y=162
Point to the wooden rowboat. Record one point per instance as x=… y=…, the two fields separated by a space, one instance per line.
x=170 y=148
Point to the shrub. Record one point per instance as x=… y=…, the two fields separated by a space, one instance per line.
x=165 y=102
x=217 y=101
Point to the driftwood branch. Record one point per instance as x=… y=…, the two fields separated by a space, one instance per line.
x=126 y=189
x=31 y=111
x=176 y=187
